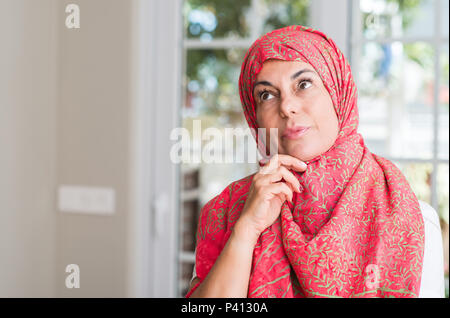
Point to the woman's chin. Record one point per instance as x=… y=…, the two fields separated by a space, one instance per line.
x=299 y=152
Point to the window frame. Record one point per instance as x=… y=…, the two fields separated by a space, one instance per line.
x=154 y=197
x=437 y=41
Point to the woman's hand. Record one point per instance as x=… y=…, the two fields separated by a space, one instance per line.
x=261 y=209
x=267 y=194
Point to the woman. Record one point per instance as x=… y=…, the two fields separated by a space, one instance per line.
x=322 y=218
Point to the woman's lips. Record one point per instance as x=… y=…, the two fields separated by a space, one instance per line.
x=295 y=133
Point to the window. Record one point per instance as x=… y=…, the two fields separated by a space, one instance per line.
x=401 y=66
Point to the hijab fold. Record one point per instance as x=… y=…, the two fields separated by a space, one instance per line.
x=355 y=230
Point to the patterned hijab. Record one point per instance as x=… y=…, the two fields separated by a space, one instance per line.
x=356 y=230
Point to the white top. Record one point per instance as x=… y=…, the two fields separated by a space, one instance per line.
x=432 y=284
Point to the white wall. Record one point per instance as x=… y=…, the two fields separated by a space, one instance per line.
x=65 y=106
x=28 y=93
x=93 y=143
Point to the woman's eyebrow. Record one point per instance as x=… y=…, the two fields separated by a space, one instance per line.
x=293 y=77
x=265 y=83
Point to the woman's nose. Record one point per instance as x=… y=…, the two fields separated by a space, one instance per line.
x=289 y=106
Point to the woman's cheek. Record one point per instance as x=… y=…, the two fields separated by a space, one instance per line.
x=265 y=120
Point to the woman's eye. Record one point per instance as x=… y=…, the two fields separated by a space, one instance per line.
x=264 y=96
x=305 y=84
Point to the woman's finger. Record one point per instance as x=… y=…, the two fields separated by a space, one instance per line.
x=277 y=175
x=286 y=160
x=279 y=189
x=292 y=162
x=288 y=176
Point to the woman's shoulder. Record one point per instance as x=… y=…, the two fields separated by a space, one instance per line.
x=233 y=189
x=229 y=196
x=220 y=213
x=241 y=185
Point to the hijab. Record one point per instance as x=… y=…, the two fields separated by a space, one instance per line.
x=356 y=229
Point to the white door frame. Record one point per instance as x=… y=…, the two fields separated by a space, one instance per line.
x=156 y=81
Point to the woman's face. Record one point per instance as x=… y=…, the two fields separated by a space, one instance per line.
x=290 y=96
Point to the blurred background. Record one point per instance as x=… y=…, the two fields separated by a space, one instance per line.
x=87 y=115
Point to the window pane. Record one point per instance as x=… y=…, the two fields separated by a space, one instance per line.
x=443 y=150
x=207 y=19
x=419 y=178
x=396 y=18
x=396 y=99
x=444 y=17
x=212 y=86
x=275 y=14
x=190 y=216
